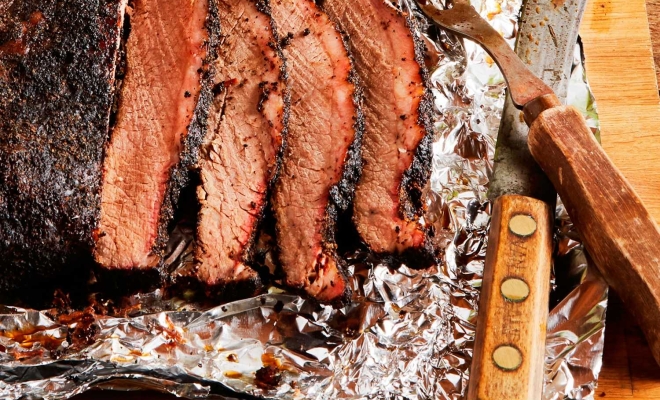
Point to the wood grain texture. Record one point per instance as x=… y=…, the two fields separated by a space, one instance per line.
x=618 y=231
x=621 y=73
x=653 y=12
x=629 y=371
x=519 y=250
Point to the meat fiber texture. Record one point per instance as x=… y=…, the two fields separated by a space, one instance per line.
x=241 y=154
x=161 y=117
x=57 y=71
x=397 y=139
x=321 y=163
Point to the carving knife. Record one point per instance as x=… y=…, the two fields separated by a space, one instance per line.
x=508 y=359
x=618 y=231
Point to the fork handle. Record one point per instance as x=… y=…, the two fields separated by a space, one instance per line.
x=618 y=231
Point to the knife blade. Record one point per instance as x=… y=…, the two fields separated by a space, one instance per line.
x=508 y=358
x=520 y=189
x=545 y=43
x=617 y=229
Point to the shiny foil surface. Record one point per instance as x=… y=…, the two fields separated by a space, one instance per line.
x=406 y=334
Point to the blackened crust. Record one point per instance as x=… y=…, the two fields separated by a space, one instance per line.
x=57 y=63
x=233 y=287
x=417 y=176
x=341 y=194
x=180 y=174
x=407 y=241
x=330 y=247
x=116 y=283
x=191 y=288
x=263 y=6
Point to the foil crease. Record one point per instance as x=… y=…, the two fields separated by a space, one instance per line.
x=406 y=334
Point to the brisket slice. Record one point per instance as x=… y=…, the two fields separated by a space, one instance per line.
x=57 y=72
x=397 y=139
x=322 y=161
x=159 y=124
x=241 y=154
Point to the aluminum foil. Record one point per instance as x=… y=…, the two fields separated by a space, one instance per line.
x=407 y=333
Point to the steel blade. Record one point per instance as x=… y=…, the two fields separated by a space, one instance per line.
x=546 y=41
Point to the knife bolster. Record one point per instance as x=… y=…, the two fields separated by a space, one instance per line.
x=534 y=108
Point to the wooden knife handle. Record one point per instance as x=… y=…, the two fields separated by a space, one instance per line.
x=619 y=233
x=508 y=358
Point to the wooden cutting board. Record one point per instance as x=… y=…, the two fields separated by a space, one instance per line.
x=620 y=69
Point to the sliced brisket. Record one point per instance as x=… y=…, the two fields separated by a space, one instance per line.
x=57 y=72
x=241 y=154
x=321 y=162
x=161 y=113
x=396 y=146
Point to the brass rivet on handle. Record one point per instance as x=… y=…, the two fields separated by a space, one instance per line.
x=514 y=289
x=522 y=225
x=507 y=357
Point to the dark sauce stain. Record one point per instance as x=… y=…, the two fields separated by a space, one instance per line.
x=268 y=377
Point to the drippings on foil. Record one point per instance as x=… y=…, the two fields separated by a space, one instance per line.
x=406 y=333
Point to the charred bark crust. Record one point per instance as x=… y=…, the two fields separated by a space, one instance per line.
x=343 y=192
x=180 y=174
x=233 y=290
x=263 y=6
x=56 y=94
x=192 y=288
x=417 y=176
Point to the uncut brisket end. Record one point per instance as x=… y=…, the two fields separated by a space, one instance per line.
x=57 y=73
x=241 y=154
x=321 y=162
x=159 y=121
x=397 y=139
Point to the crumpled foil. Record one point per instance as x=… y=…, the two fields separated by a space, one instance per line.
x=406 y=334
